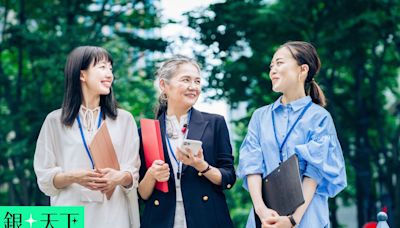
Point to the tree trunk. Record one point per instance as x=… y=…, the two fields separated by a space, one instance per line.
x=333 y=209
x=396 y=199
x=22 y=195
x=361 y=164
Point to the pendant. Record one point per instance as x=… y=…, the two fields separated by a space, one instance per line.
x=171 y=133
x=169 y=129
x=184 y=128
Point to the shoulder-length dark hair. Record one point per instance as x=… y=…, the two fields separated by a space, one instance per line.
x=80 y=59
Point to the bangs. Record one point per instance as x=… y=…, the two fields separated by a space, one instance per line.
x=100 y=54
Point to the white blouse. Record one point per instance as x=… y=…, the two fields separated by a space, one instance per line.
x=176 y=128
x=60 y=149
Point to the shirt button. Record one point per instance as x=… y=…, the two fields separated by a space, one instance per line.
x=156 y=202
x=228 y=186
x=205 y=198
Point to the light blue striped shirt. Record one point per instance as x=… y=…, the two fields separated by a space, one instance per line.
x=313 y=139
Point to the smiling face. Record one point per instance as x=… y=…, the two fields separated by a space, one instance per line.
x=285 y=73
x=98 y=78
x=184 y=88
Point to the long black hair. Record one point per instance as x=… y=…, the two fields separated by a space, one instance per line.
x=80 y=59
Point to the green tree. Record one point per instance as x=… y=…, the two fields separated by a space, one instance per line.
x=358 y=42
x=36 y=37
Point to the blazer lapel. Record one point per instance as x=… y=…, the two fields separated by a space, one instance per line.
x=161 y=119
x=196 y=128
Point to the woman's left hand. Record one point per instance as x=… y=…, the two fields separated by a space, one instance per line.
x=187 y=158
x=112 y=178
x=277 y=222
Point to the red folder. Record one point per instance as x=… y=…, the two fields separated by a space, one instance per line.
x=152 y=146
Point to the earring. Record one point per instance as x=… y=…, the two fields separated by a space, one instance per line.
x=163 y=96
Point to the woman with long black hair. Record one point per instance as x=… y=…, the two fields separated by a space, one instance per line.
x=63 y=164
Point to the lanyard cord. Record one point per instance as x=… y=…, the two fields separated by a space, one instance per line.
x=83 y=137
x=170 y=147
x=280 y=146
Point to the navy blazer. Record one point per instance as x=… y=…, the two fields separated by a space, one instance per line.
x=204 y=202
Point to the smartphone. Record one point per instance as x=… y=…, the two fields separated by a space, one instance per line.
x=193 y=145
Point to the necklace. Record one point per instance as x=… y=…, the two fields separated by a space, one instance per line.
x=172 y=132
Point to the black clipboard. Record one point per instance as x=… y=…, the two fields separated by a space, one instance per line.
x=281 y=189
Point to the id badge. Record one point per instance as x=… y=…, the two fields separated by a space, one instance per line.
x=90 y=196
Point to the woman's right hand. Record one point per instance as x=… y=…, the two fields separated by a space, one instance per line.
x=159 y=170
x=263 y=212
x=90 y=179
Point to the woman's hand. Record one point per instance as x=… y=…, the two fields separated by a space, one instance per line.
x=265 y=213
x=187 y=158
x=276 y=222
x=159 y=170
x=88 y=178
x=111 y=179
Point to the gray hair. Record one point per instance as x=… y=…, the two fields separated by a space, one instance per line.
x=166 y=72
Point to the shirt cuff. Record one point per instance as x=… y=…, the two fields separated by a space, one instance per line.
x=134 y=183
x=227 y=182
x=46 y=183
x=313 y=173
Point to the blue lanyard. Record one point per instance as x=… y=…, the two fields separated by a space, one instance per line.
x=83 y=137
x=169 y=143
x=280 y=146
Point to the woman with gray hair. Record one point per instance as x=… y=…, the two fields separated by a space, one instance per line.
x=196 y=179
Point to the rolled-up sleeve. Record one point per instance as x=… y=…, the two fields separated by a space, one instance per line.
x=324 y=158
x=224 y=156
x=250 y=154
x=130 y=161
x=44 y=161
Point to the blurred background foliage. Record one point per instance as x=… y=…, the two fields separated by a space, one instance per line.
x=358 y=42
